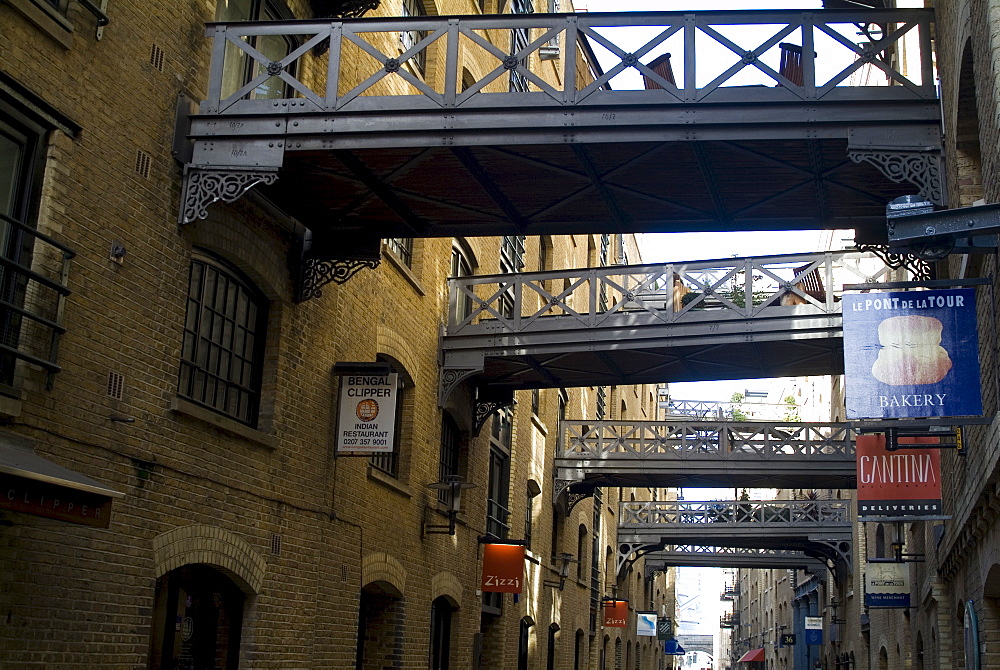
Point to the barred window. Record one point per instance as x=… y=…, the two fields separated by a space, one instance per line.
x=403 y=248
x=240 y=68
x=389 y=462
x=519 y=39
x=451 y=441
x=222 y=352
x=408 y=38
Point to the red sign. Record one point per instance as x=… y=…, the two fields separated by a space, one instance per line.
x=503 y=568
x=900 y=483
x=615 y=613
x=19 y=494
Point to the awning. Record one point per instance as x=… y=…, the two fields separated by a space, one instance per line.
x=34 y=485
x=752 y=656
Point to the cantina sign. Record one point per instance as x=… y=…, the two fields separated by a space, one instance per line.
x=900 y=483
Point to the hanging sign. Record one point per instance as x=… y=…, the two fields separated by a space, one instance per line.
x=645 y=624
x=814 y=630
x=503 y=568
x=911 y=354
x=887 y=585
x=615 y=613
x=664 y=628
x=900 y=483
x=673 y=648
x=786 y=640
x=367 y=416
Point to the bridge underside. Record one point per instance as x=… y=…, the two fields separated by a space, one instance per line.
x=732 y=558
x=709 y=473
x=623 y=358
x=585 y=187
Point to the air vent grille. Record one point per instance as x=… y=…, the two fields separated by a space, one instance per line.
x=143 y=161
x=156 y=57
x=116 y=385
x=276 y=545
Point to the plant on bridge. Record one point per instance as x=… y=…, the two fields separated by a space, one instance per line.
x=736 y=407
x=791 y=409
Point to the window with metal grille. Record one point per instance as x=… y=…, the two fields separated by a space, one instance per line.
x=408 y=38
x=595 y=560
x=222 y=351
x=441 y=612
x=497 y=512
x=603 y=260
x=461 y=266
x=389 y=462
x=535 y=401
x=602 y=403
x=403 y=248
x=519 y=39
x=511 y=261
x=240 y=69
x=529 y=513
x=448 y=462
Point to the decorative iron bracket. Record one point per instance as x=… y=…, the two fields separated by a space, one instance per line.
x=573 y=498
x=630 y=552
x=203 y=186
x=839 y=552
x=923 y=169
x=486 y=404
x=920 y=269
x=326 y=260
x=452 y=377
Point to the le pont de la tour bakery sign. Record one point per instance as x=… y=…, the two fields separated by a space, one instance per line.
x=367 y=413
x=912 y=354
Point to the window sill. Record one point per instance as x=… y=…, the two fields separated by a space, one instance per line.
x=389 y=482
x=46 y=19
x=403 y=269
x=226 y=425
x=539 y=425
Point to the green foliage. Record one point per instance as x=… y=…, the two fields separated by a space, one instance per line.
x=791 y=409
x=736 y=410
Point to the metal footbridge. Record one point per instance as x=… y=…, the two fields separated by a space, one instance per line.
x=536 y=124
x=737 y=318
x=818 y=528
x=705 y=453
x=700 y=556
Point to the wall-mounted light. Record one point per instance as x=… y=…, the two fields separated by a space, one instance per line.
x=454 y=485
x=562 y=562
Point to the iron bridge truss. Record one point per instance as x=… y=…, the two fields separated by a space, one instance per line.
x=366 y=144
x=819 y=528
x=699 y=556
x=741 y=318
x=709 y=454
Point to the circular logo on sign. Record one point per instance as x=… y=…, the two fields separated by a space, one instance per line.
x=367 y=410
x=187 y=629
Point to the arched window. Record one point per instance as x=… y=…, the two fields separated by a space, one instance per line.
x=523 y=642
x=550 y=656
x=449 y=458
x=441 y=611
x=198 y=620
x=380 y=615
x=223 y=347
x=581 y=547
x=578 y=650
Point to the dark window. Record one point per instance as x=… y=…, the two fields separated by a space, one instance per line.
x=21 y=156
x=522 y=644
x=440 y=633
x=402 y=247
x=389 y=462
x=240 y=68
x=450 y=443
x=535 y=401
x=511 y=261
x=409 y=38
x=578 y=650
x=198 y=620
x=497 y=512
x=222 y=352
x=602 y=403
x=461 y=266
x=529 y=513
x=550 y=657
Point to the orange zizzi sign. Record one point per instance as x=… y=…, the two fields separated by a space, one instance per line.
x=904 y=482
x=615 y=613
x=503 y=568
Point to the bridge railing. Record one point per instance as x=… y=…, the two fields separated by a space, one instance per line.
x=435 y=62
x=665 y=441
x=735 y=513
x=735 y=288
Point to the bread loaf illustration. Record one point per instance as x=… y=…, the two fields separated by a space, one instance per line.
x=911 y=351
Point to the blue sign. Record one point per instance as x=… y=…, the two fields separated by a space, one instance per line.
x=912 y=354
x=814 y=630
x=673 y=648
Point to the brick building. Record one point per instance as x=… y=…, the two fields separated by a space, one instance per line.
x=172 y=496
